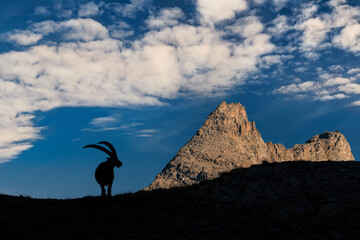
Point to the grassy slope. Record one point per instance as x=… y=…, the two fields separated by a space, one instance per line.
x=295 y=200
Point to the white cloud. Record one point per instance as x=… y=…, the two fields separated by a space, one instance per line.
x=279 y=4
x=8 y=152
x=130 y=10
x=308 y=10
x=296 y=88
x=22 y=37
x=104 y=121
x=90 y=9
x=271 y=59
x=42 y=10
x=259 y=1
x=356 y=103
x=166 y=18
x=351 y=88
x=247 y=26
x=321 y=30
x=315 y=31
x=354 y=70
x=327 y=87
x=336 y=68
x=45 y=27
x=214 y=11
x=349 y=38
x=343 y=14
x=148 y=131
x=279 y=26
x=337 y=81
x=91 y=68
x=120 y=30
x=300 y=69
x=84 y=29
x=332 y=97
x=63 y=12
x=144 y=135
x=336 y=3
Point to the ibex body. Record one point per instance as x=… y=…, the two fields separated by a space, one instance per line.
x=104 y=173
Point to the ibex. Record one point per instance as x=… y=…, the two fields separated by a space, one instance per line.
x=104 y=173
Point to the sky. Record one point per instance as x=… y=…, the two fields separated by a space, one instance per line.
x=145 y=74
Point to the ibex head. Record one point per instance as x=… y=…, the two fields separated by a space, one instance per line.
x=113 y=158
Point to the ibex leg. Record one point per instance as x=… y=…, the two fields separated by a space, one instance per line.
x=109 y=190
x=103 y=191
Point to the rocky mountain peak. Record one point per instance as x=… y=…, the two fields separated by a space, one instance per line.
x=232 y=111
x=227 y=140
x=228 y=119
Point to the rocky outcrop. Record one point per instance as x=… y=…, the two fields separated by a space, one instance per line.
x=328 y=146
x=227 y=140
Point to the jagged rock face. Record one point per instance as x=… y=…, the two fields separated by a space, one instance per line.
x=328 y=146
x=227 y=140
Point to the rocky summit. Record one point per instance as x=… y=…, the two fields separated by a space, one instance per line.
x=228 y=140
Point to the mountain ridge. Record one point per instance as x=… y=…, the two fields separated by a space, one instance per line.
x=287 y=200
x=228 y=140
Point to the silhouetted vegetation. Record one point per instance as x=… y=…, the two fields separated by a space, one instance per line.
x=291 y=200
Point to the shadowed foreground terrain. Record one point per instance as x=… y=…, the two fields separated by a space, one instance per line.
x=289 y=200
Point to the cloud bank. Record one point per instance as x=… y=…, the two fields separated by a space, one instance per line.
x=74 y=58
x=79 y=62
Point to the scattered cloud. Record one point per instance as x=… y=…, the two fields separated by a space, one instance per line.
x=45 y=27
x=214 y=11
x=336 y=68
x=104 y=121
x=10 y=151
x=148 y=131
x=84 y=29
x=80 y=61
x=327 y=87
x=356 y=103
x=246 y=26
x=314 y=30
x=90 y=9
x=131 y=9
x=337 y=81
x=279 y=4
x=354 y=70
x=332 y=97
x=90 y=68
x=297 y=88
x=42 y=11
x=351 y=88
x=63 y=12
x=144 y=135
x=167 y=17
x=349 y=38
x=279 y=26
x=322 y=29
x=23 y=38
x=120 y=30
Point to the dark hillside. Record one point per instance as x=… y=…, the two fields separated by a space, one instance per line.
x=290 y=200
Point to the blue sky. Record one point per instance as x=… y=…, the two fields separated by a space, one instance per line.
x=145 y=74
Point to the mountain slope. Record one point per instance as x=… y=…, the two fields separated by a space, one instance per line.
x=227 y=140
x=290 y=200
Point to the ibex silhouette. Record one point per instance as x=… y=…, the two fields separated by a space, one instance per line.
x=104 y=173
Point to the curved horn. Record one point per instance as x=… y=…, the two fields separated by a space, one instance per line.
x=109 y=146
x=100 y=148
